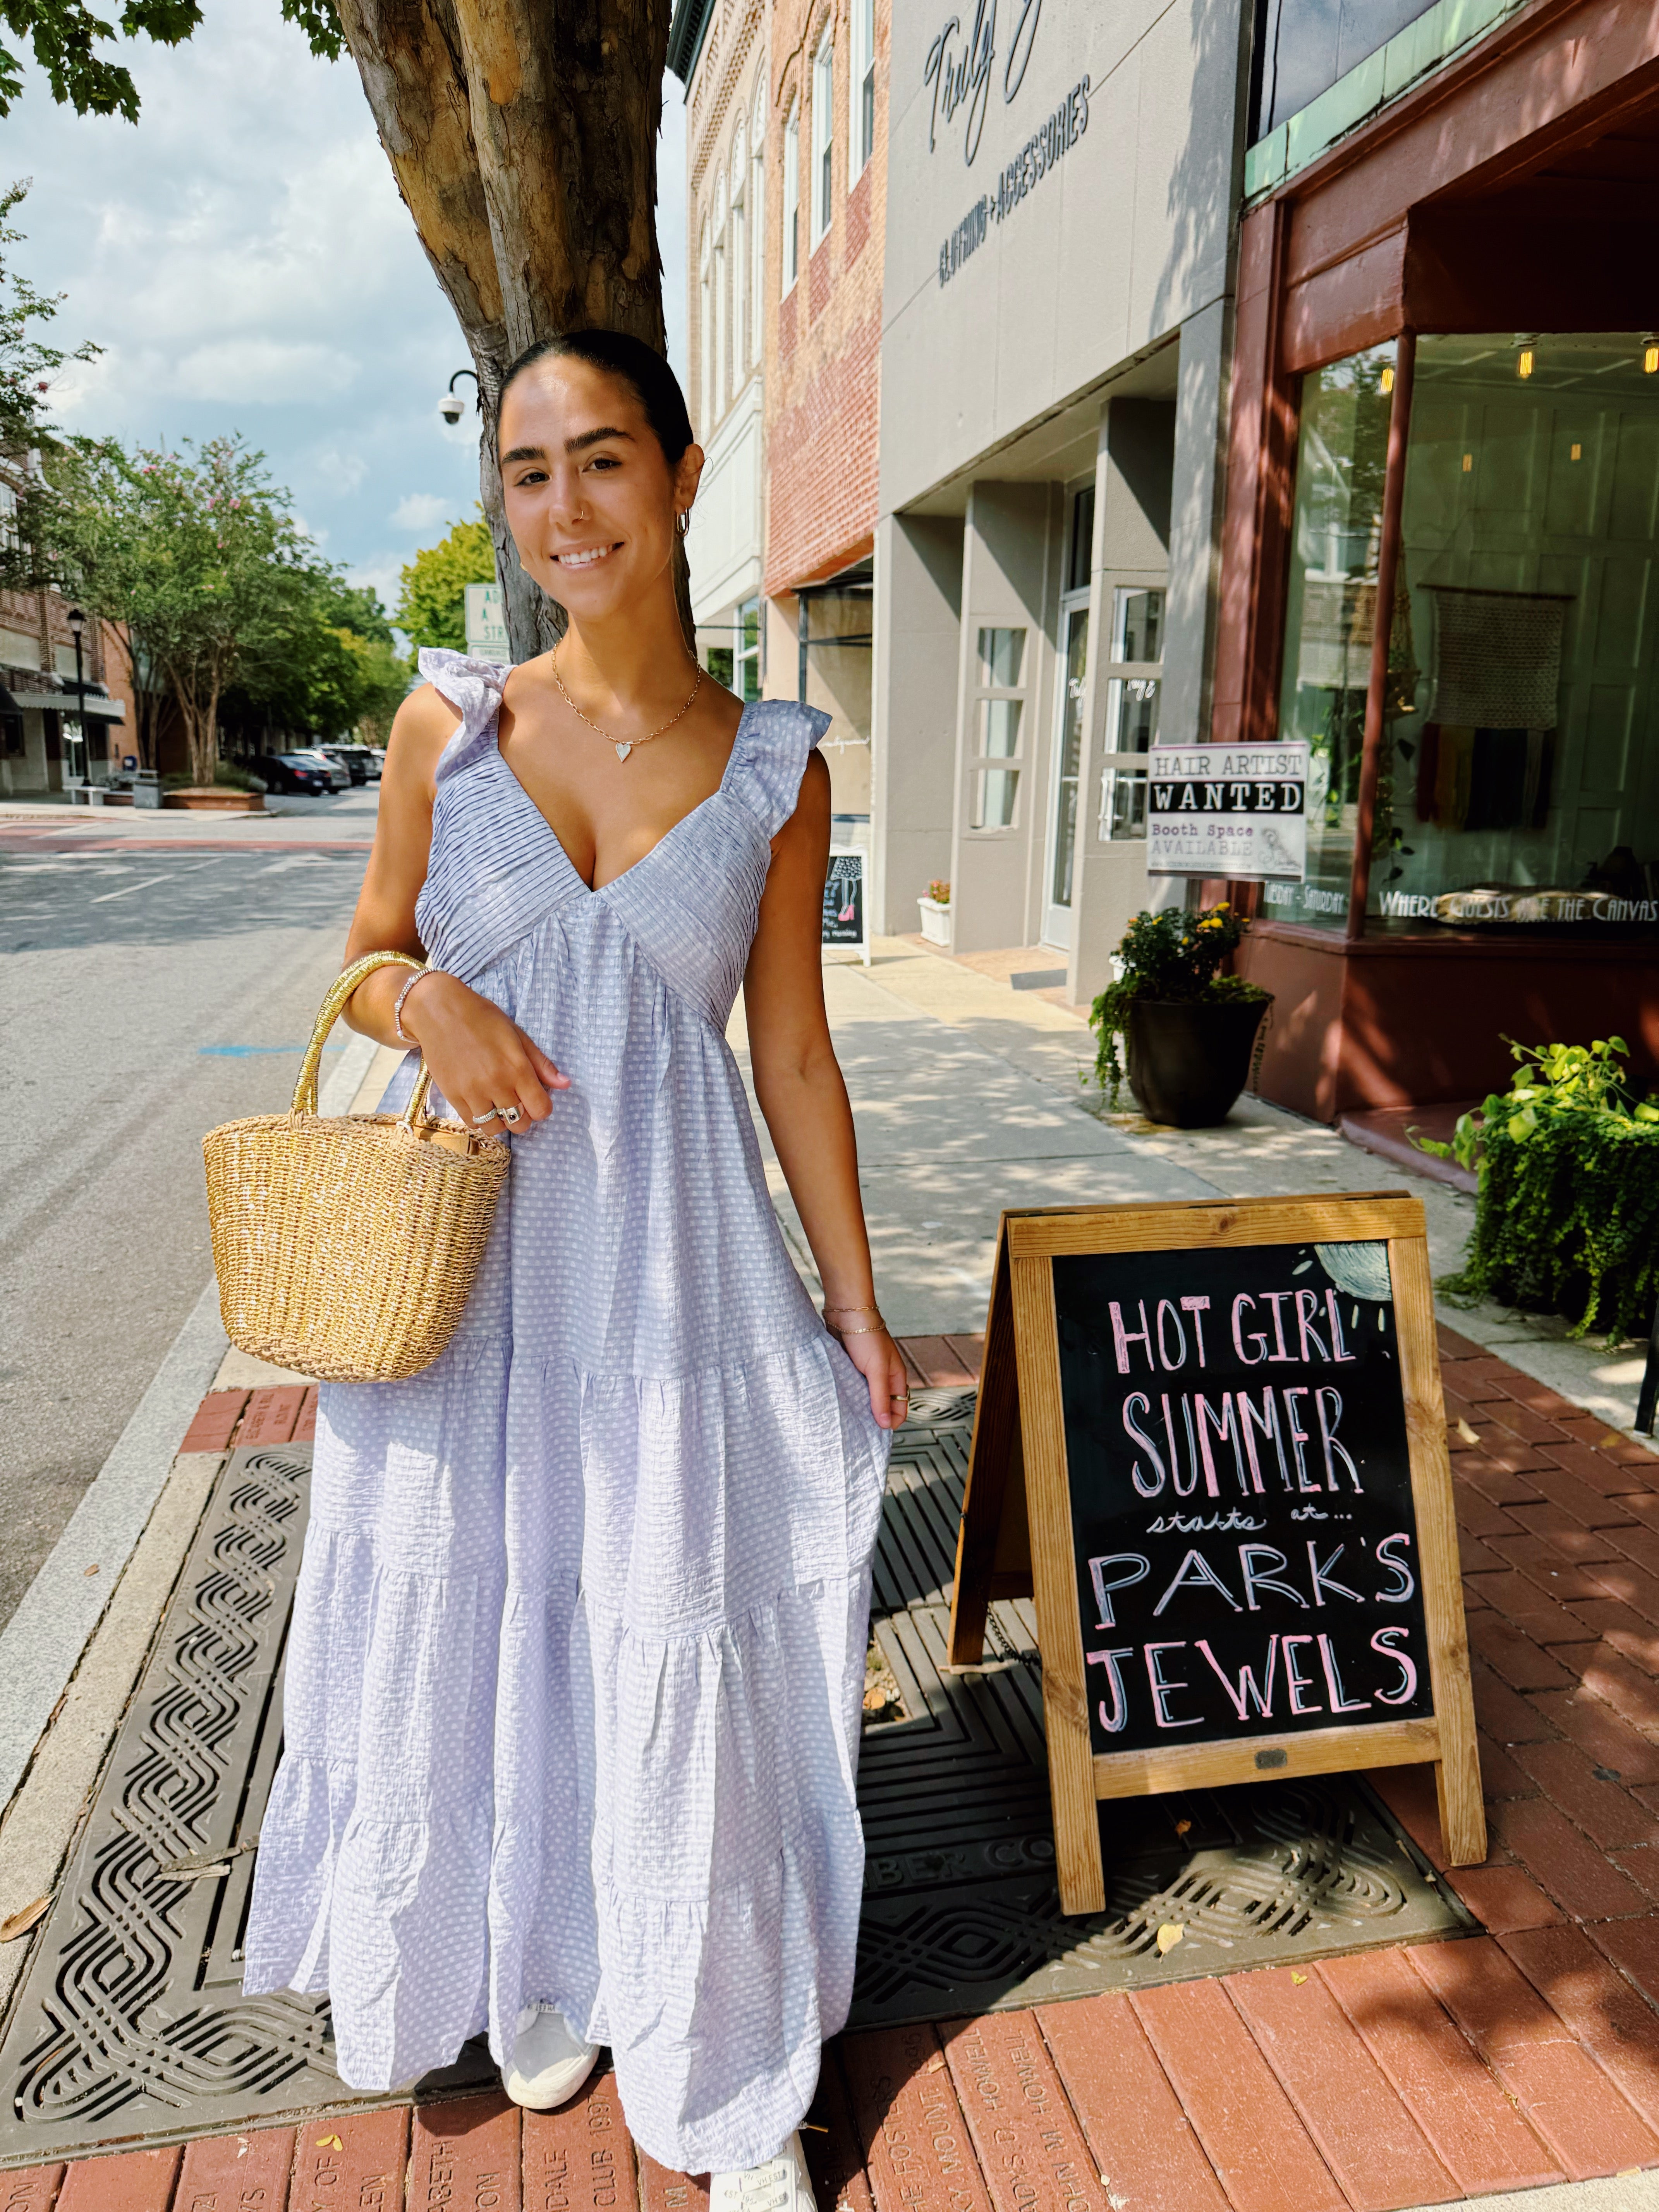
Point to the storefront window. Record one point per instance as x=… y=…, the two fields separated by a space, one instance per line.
x=1520 y=774
x=1133 y=680
x=1331 y=613
x=997 y=729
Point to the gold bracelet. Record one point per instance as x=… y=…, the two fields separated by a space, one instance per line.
x=877 y=1328
x=872 y=1308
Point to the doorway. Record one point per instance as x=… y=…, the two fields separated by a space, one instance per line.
x=1068 y=761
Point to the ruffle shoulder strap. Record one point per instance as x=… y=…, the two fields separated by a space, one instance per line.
x=474 y=688
x=770 y=758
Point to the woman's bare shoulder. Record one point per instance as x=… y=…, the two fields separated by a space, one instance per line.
x=421 y=729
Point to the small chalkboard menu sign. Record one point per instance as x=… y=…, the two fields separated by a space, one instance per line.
x=1210 y=1440
x=844 y=919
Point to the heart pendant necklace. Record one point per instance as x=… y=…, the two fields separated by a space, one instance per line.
x=623 y=747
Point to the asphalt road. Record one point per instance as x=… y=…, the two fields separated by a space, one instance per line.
x=144 y=996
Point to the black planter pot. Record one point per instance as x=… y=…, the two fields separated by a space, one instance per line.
x=1188 y=1059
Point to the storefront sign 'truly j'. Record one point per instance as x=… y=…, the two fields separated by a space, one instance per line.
x=961 y=62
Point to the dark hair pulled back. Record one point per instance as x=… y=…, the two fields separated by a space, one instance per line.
x=634 y=363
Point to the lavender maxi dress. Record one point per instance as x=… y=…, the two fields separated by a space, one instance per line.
x=575 y=1677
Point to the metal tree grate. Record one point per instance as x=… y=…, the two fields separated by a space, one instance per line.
x=129 y=2026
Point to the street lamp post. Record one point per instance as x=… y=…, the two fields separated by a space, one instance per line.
x=77 y=622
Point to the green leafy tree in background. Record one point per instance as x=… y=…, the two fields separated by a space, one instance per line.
x=61 y=36
x=27 y=364
x=523 y=137
x=432 y=605
x=195 y=554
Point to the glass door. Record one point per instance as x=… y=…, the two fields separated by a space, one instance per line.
x=1068 y=760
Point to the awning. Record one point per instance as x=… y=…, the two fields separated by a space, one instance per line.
x=96 y=706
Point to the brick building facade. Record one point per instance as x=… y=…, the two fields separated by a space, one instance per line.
x=787 y=160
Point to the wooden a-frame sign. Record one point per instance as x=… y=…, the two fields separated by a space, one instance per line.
x=1211 y=1441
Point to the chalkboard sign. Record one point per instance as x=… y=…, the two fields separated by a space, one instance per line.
x=843 y=903
x=1210 y=1440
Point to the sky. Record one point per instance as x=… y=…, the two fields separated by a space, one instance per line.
x=242 y=257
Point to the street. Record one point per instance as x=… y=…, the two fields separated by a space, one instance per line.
x=148 y=995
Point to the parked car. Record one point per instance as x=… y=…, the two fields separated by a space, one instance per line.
x=339 y=775
x=295 y=774
x=377 y=763
x=351 y=759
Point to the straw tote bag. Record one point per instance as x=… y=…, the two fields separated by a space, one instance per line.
x=347 y=1246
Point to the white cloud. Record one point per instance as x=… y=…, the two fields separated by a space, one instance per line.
x=420 y=510
x=243 y=256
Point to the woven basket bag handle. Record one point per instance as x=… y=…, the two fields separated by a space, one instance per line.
x=333 y=1005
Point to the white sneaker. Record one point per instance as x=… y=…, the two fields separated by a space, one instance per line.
x=550 y=2063
x=781 y=2185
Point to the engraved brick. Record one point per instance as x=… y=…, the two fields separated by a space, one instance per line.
x=581 y=2157
x=271 y=1413
x=916 y=2146
x=350 y=2162
x=464 y=2156
x=661 y=2191
x=1031 y=2151
x=305 y=1429
x=34 y=2189
x=244 y=2173
x=1139 y=2138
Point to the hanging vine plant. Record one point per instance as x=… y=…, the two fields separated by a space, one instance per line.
x=1567 y=1214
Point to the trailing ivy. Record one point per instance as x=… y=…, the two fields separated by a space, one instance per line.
x=1567 y=1215
x=1172 y=956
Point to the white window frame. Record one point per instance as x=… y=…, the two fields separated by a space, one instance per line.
x=824 y=130
x=861 y=77
x=758 y=223
x=791 y=199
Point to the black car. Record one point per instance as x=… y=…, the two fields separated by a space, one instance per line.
x=290 y=773
x=353 y=759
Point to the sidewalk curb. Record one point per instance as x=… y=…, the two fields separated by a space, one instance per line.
x=43 y=1643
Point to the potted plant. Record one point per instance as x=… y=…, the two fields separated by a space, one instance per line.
x=936 y=913
x=1566 y=1217
x=1189 y=1030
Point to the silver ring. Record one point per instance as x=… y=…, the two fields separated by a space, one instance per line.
x=511 y=1113
x=479 y=1119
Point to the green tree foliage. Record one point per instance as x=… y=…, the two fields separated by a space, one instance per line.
x=63 y=35
x=432 y=605
x=28 y=365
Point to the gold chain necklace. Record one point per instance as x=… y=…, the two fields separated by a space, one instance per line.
x=622 y=750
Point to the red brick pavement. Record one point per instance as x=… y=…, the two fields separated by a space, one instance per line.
x=1419 y=2075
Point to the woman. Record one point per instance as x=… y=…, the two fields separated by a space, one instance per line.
x=575 y=1671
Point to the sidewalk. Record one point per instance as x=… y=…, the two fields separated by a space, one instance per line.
x=1522 y=2060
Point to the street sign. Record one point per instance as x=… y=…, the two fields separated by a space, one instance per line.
x=1230 y=811
x=486 y=623
x=1210 y=1440
x=844 y=918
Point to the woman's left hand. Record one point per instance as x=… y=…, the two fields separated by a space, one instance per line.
x=881 y=1362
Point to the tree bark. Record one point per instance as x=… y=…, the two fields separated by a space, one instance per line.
x=523 y=135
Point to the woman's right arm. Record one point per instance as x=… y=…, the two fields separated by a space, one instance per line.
x=479 y=1058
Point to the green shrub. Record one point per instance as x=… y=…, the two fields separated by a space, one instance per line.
x=231 y=774
x=1567 y=1216
x=1167 y=955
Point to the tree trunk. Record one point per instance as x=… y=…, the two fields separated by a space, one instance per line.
x=523 y=135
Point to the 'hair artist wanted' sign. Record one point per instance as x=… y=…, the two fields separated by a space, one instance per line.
x=1236 y=811
x=1240 y=1492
